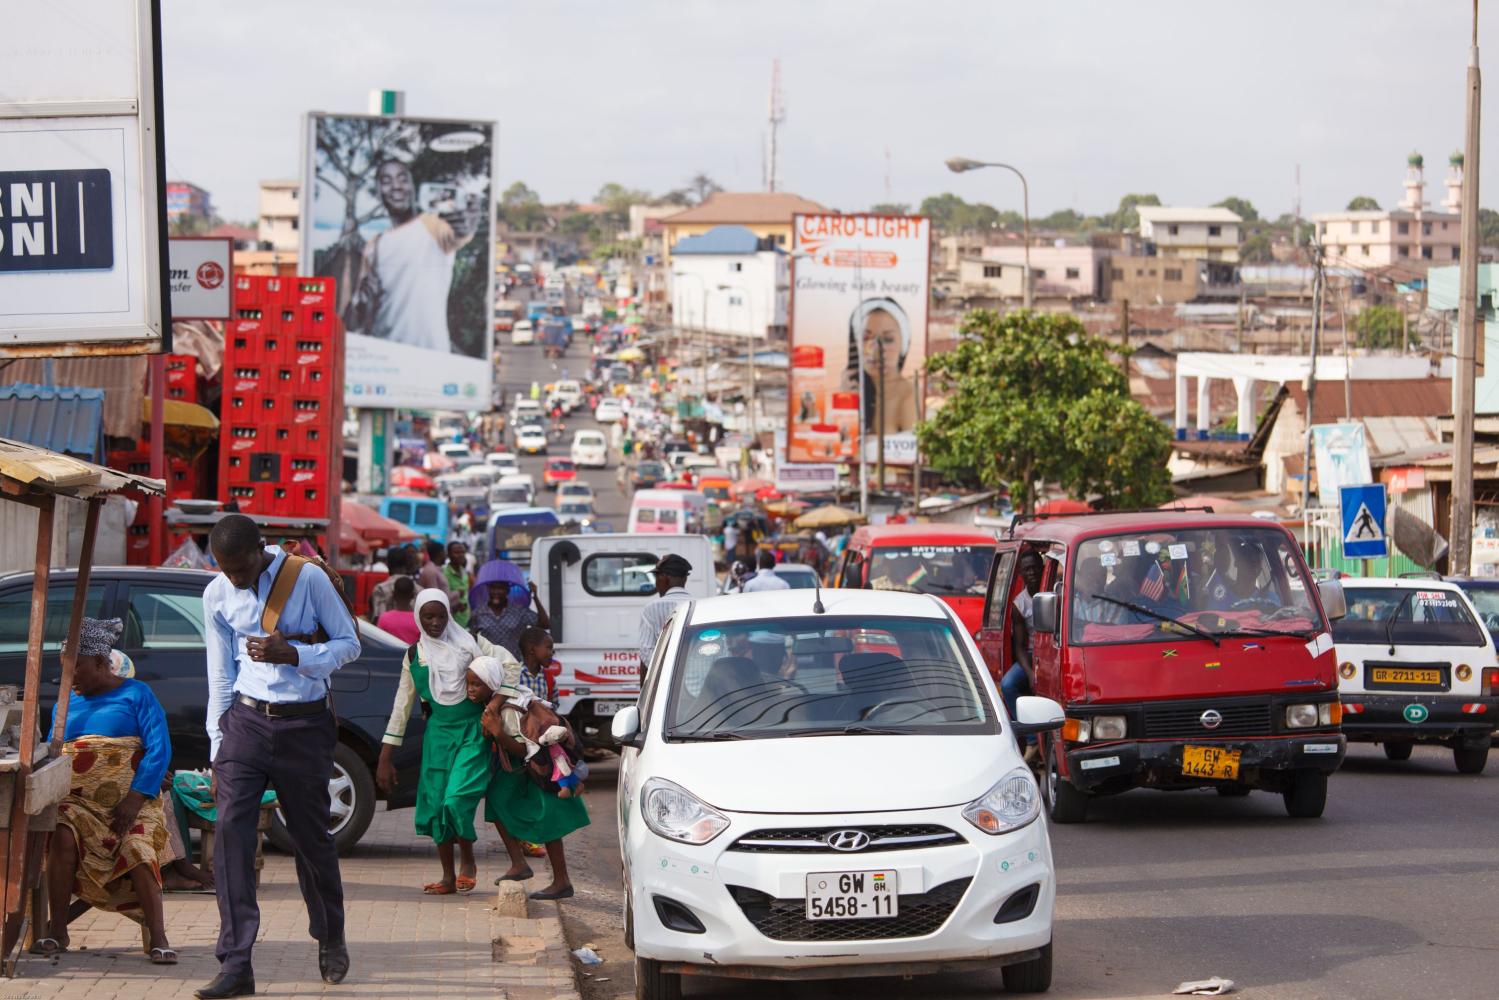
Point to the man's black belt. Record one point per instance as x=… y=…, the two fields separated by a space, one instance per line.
x=284 y=709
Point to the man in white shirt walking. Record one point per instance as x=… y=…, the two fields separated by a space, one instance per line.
x=766 y=578
x=671 y=589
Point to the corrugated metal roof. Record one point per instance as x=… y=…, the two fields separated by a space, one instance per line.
x=1393 y=397
x=719 y=240
x=59 y=418
x=745 y=208
x=122 y=379
x=46 y=471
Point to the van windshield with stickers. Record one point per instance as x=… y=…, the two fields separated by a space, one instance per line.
x=1206 y=583
x=1406 y=616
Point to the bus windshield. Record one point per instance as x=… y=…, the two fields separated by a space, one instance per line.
x=944 y=570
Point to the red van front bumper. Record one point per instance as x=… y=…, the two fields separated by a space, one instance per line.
x=1262 y=763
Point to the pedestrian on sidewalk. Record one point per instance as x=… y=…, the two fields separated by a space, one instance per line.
x=519 y=809
x=400 y=620
x=455 y=757
x=671 y=589
x=110 y=828
x=272 y=643
x=458 y=580
x=508 y=610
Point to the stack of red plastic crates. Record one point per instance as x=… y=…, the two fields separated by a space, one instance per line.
x=279 y=406
x=183 y=482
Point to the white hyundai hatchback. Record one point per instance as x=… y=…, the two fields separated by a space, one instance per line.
x=824 y=784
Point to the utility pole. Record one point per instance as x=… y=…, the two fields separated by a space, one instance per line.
x=1124 y=325
x=879 y=412
x=920 y=417
x=1463 y=388
x=1311 y=391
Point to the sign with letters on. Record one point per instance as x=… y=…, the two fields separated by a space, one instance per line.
x=82 y=228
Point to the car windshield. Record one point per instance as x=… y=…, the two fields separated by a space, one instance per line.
x=509 y=494
x=799 y=579
x=944 y=570
x=560 y=465
x=650 y=469
x=824 y=675
x=1155 y=586
x=1421 y=617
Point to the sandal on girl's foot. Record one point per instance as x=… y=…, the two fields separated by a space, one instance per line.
x=163 y=956
x=522 y=877
x=47 y=946
x=542 y=894
x=464 y=884
x=438 y=889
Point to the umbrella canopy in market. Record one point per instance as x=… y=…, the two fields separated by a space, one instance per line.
x=501 y=571
x=751 y=485
x=830 y=516
x=631 y=354
x=188 y=428
x=372 y=527
x=785 y=508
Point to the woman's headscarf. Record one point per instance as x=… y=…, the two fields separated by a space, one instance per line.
x=446 y=657
x=97 y=636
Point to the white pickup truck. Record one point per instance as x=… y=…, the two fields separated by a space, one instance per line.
x=594 y=587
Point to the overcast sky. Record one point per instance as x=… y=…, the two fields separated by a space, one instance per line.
x=1191 y=100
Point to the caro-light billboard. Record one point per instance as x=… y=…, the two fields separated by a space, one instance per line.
x=859 y=285
x=400 y=211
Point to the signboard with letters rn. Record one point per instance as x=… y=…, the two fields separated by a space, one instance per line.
x=82 y=230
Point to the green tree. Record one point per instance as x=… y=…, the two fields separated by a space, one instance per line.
x=520 y=208
x=1488 y=227
x=952 y=214
x=1381 y=326
x=1125 y=218
x=1362 y=203
x=1063 y=220
x=1240 y=207
x=1256 y=248
x=890 y=208
x=1033 y=397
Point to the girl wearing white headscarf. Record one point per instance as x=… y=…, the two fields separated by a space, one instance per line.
x=455 y=759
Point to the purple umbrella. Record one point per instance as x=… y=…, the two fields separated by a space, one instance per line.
x=495 y=571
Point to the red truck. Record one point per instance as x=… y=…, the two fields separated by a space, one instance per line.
x=1188 y=649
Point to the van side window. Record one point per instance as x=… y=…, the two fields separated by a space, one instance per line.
x=999 y=590
x=617 y=574
x=852 y=571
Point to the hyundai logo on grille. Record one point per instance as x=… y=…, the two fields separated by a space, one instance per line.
x=848 y=840
x=1211 y=719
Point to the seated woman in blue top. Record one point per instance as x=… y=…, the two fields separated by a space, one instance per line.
x=110 y=828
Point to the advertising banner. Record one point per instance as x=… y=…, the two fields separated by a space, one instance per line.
x=1342 y=454
x=199 y=277
x=400 y=212
x=802 y=478
x=859 y=285
x=82 y=244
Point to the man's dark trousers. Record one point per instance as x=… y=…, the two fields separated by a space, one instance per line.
x=295 y=756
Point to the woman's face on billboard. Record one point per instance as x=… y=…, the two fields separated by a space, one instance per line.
x=880 y=328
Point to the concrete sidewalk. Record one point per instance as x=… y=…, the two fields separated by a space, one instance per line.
x=402 y=943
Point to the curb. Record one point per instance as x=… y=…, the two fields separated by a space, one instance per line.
x=537 y=964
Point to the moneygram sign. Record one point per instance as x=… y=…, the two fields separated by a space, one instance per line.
x=199 y=277
x=82 y=234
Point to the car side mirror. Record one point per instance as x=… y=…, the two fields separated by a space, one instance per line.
x=1037 y=715
x=1044 y=610
x=1334 y=601
x=626 y=727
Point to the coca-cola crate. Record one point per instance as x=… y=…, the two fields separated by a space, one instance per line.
x=246 y=376
x=252 y=498
x=236 y=468
x=308 y=501
x=239 y=437
x=314 y=293
x=310 y=437
x=311 y=410
x=249 y=290
x=138 y=544
x=242 y=407
x=182 y=377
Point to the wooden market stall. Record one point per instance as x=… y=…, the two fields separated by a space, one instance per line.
x=34 y=777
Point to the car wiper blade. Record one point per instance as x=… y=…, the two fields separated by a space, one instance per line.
x=1141 y=609
x=706 y=737
x=1300 y=633
x=1389 y=629
x=853 y=730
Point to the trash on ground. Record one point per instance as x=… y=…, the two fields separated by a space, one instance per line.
x=1215 y=986
x=588 y=956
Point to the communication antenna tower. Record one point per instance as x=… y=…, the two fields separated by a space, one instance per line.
x=777 y=116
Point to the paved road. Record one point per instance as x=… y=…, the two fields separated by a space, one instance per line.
x=1392 y=894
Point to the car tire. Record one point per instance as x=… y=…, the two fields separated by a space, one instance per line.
x=653 y=984
x=1065 y=802
x=1470 y=759
x=1306 y=794
x=352 y=788
x=1233 y=791
x=1398 y=751
x=1033 y=976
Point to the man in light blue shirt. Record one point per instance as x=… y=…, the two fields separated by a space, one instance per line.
x=270 y=722
x=766 y=578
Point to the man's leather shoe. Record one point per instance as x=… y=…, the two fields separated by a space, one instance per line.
x=228 y=985
x=333 y=961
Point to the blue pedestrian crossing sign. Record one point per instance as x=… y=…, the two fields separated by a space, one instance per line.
x=1363 y=521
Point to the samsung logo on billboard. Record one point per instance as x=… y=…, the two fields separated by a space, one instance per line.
x=56 y=220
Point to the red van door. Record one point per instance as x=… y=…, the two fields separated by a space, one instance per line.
x=993 y=636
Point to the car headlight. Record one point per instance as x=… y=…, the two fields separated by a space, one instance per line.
x=1301 y=716
x=673 y=812
x=1008 y=806
x=1108 y=727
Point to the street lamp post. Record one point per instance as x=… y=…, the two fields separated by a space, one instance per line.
x=702 y=317
x=754 y=423
x=962 y=164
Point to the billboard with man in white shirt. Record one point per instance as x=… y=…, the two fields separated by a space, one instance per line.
x=399 y=211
